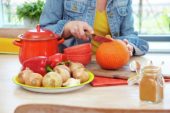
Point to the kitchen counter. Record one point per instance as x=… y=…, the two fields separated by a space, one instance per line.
x=110 y=99
x=7 y=36
x=12 y=32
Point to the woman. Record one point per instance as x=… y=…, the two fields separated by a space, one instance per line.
x=103 y=17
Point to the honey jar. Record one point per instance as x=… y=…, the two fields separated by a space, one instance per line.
x=151 y=85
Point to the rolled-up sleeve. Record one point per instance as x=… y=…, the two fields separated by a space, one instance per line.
x=52 y=16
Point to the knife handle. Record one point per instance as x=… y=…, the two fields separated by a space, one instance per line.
x=89 y=34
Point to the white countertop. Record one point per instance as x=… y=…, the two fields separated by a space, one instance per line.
x=122 y=97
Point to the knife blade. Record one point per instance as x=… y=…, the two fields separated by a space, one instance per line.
x=107 y=38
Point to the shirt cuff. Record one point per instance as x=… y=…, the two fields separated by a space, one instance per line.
x=60 y=27
x=136 y=50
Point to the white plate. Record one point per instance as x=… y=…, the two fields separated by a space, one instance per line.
x=53 y=90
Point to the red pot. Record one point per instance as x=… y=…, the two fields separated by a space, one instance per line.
x=39 y=42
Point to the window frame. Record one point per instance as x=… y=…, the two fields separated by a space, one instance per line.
x=156 y=38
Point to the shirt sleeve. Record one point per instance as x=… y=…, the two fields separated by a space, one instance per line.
x=52 y=16
x=127 y=32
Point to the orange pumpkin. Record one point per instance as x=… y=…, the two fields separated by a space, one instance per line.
x=112 y=55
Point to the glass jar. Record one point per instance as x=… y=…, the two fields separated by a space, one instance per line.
x=151 y=85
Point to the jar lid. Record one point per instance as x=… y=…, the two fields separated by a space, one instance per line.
x=38 y=34
x=151 y=70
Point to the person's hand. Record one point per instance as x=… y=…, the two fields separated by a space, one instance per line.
x=130 y=47
x=77 y=29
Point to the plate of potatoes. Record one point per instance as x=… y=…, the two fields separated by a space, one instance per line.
x=62 y=78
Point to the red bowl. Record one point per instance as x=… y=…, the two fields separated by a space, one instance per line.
x=78 y=49
x=84 y=58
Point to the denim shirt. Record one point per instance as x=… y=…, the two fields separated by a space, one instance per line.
x=57 y=13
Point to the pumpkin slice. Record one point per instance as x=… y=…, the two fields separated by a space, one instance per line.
x=102 y=39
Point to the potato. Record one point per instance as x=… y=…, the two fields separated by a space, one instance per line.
x=74 y=66
x=34 y=79
x=52 y=79
x=24 y=75
x=64 y=71
x=81 y=74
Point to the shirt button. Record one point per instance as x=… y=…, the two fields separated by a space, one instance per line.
x=110 y=14
x=74 y=7
x=116 y=34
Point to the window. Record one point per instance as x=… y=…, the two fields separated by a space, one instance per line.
x=152 y=21
x=8 y=13
x=152 y=17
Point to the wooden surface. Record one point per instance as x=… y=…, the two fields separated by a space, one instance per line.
x=125 y=72
x=119 y=99
x=120 y=73
x=49 y=108
x=12 y=32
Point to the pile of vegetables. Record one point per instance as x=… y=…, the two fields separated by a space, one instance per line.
x=52 y=72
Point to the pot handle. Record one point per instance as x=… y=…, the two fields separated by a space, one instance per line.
x=20 y=36
x=17 y=43
x=61 y=41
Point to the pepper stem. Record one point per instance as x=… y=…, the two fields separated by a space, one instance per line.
x=49 y=69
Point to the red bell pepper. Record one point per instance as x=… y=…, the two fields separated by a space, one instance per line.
x=56 y=58
x=43 y=64
x=36 y=64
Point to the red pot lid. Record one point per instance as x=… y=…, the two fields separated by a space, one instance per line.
x=38 y=34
